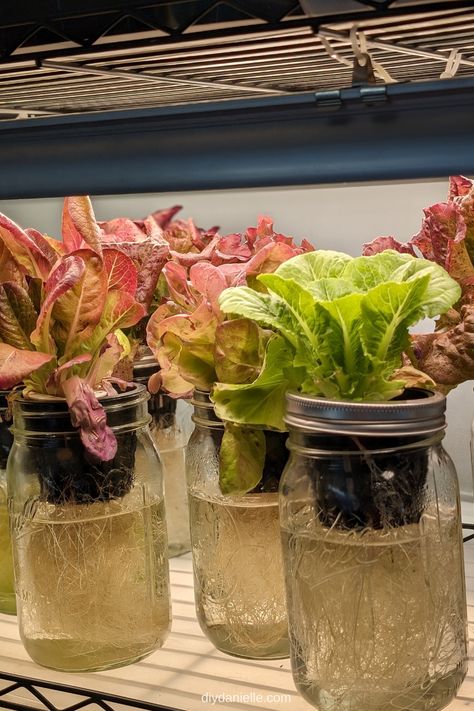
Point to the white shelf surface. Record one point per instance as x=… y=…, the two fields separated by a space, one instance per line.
x=188 y=666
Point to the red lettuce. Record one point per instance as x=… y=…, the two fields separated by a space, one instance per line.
x=188 y=333
x=60 y=321
x=447 y=238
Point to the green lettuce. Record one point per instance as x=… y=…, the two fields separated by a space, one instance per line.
x=342 y=327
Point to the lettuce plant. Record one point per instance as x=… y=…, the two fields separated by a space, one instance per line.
x=333 y=326
x=446 y=238
x=150 y=243
x=185 y=331
x=62 y=309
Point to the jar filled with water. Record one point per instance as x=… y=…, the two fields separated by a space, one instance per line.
x=7 y=587
x=89 y=537
x=372 y=544
x=237 y=559
x=170 y=428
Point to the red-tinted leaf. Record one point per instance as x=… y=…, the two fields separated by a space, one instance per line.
x=79 y=226
x=232 y=248
x=53 y=384
x=23 y=249
x=264 y=228
x=208 y=281
x=164 y=217
x=121 y=271
x=190 y=258
x=122 y=230
x=63 y=278
x=177 y=281
x=306 y=246
x=380 y=244
x=459 y=186
x=234 y=274
x=442 y=239
x=79 y=309
x=10 y=270
x=149 y=258
x=153 y=334
x=16 y=364
x=448 y=357
x=180 y=236
x=154 y=231
x=89 y=416
x=269 y=258
x=121 y=311
x=110 y=354
x=17 y=315
x=46 y=246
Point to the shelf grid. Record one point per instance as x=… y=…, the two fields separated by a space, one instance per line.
x=151 y=54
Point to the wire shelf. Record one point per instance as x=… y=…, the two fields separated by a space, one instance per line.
x=119 y=55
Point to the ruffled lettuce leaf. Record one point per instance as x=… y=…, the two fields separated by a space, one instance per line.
x=61 y=315
x=183 y=333
x=239 y=351
x=261 y=402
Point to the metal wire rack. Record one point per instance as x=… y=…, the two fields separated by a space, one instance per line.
x=115 y=55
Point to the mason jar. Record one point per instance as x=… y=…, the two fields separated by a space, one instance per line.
x=371 y=531
x=170 y=428
x=89 y=537
x=237 y=559
x=7 y=588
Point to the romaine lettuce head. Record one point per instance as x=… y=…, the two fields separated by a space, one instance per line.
x=340 y=328
x=345 y=322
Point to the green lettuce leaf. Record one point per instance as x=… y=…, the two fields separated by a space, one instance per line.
x=261 y=402
x=239 y=350
x=265 y=309
x=241 y=459
x=312 y=266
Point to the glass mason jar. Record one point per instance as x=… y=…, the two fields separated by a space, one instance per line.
x=7 y=588
x=89 y=537
x=170 y=428
x=371 y=530
x=238 y=567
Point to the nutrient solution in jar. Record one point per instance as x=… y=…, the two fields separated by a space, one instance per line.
x=100 y=591
x=375 y=619
x=171 y=443
x=7 y=587
x=177 y=511
x=238 y=574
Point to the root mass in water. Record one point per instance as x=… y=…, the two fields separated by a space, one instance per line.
x=376 y=620
x=92 y=582
x=238 y=572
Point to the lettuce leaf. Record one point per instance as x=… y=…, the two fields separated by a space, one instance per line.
x=239 y=350
x=17 y=364
x=261 y=402
x=241 y=459
x=17 y=316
